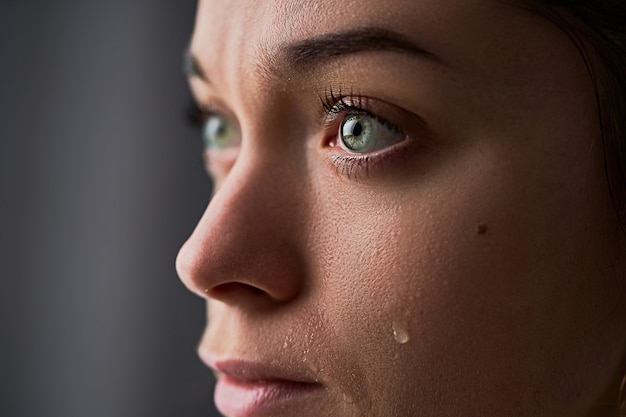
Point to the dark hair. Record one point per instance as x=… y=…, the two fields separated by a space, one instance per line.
x=598 y=29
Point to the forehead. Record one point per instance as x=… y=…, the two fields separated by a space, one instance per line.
x=242 y=30
x=490 y=49
x=305 y=17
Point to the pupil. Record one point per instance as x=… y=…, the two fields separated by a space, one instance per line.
x=219 y=131
x=356 y=132
x=219 y=128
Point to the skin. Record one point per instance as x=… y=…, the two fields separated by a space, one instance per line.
x=487 y=237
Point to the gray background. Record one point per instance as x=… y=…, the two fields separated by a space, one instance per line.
x=100 y=183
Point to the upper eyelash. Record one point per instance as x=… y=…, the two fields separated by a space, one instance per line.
x=198 y=114
x=335 y=103
x=194 y=115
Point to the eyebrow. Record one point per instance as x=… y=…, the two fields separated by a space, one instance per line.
x=312 y=52
x=191 y=66
x=304 y=54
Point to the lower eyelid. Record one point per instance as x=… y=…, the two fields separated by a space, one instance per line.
x=219 y=162
x=355 y=167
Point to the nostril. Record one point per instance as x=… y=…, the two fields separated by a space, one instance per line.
x=245 y=247
x=235 y=291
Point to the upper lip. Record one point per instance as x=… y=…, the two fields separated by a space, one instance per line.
x=249 y=371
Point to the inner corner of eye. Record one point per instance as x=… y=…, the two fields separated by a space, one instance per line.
x=332 y=141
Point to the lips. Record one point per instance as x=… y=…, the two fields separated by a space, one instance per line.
x=249 y=389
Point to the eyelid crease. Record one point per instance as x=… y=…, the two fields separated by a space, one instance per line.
x=202 y=109
x=334 y=102
x=347 y=109
x=331 y=99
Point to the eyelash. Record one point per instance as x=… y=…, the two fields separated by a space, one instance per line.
x=196 y=116
x=335 y=103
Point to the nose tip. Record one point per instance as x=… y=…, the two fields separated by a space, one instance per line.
x=269 y=274
x=186 y=269
x=246 y=246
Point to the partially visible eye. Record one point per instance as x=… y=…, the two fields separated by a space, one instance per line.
x=219 y=133
x=364 y=133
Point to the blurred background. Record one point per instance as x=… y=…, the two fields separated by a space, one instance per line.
x=100 y=183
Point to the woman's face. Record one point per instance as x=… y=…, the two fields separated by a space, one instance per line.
x=410 y=215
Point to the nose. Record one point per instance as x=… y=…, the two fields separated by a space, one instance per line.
x=245 y=247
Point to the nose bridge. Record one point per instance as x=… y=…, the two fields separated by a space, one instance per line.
x=247 y=237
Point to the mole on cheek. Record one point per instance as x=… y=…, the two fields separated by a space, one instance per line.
x=481 y=229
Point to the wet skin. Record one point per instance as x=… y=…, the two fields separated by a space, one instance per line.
x=465 y=260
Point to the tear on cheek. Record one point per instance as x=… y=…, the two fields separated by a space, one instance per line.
x=400 y=332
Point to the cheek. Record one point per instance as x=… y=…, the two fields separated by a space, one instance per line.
x=388 y=262
x=454 y=276
x=394 y=255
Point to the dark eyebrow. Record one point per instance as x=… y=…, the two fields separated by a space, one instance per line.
x=304 y=54
x=308 y=52
x=191 y=67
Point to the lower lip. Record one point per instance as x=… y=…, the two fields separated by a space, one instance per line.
x=255 y=398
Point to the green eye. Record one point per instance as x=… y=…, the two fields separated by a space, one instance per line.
x=362 y=133
x=219 y=133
